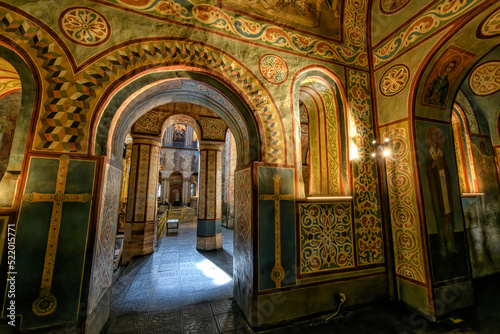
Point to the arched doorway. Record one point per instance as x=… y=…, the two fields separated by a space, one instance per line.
x=163 y=90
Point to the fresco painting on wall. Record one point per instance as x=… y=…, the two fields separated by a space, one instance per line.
x=52 y=288
x=442 y=202
x=477 y=236
x=277 y=264
x=487 y=179
x=318 y=16
x=179 y=132
x=443 y=76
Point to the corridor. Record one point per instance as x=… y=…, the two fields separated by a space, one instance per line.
x=177 y=289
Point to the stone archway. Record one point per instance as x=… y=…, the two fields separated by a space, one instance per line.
x=18 y=121
x=162 y=87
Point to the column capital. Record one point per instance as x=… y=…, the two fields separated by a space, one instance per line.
x=165 y=174
x=211 y=145
x=146 y=139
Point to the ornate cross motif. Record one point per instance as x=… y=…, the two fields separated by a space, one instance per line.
x=278 y=272
x=46 y=303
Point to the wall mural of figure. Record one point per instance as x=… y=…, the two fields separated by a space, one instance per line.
x=444 y=75
x=323 y=16
x=487 y=178
x=438 y=90
x=179 y=132
x=438 y=176
x=441 y=194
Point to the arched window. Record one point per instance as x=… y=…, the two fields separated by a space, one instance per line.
x=322 y=138
x=465 y=163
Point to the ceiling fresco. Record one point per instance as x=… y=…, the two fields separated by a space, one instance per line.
x=325 y=29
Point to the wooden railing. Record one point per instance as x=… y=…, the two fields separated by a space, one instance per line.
x=171 y=219
x=162 y=223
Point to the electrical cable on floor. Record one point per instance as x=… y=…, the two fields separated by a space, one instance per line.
x=342 y=300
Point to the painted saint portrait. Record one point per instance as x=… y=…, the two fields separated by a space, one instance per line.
x=487 y=178
x=179 y=132
x=438 y=177
x=318 y=16
x=443 y=76
x=441 y=192
x=437 y=92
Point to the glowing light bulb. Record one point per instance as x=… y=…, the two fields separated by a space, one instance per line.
x=374 y=154
x=387 y=153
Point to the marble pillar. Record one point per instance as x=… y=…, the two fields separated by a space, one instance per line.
x=141 y=199
x=209 y=227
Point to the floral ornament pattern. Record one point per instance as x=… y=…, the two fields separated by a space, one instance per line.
x=84 y=26
x=326 y=237
x=485 y=79
x=394 y=80
x=273 y=68
x=490 y=27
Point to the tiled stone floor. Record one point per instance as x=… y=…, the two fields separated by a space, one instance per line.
x=177 y=289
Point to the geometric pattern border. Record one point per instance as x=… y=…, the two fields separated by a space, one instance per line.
x=429 y=22
x=208 y=16
x=367 y=215
x=64 y=122
x=406 y=234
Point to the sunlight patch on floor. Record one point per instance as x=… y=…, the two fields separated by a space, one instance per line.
x=210 y=270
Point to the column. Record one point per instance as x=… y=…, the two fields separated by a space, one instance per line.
x=209 y=228
x=168 y=138
x=141 y=203
x=165 y=176
x=230 y=180
x=189 y=136
x=186 y=192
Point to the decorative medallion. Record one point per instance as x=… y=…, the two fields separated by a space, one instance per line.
x=273 y=68
x=485 y=79
x=84 y=26
x=490 y=27
x=392 y=6
x=394 y=80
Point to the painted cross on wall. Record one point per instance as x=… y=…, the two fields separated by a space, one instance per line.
x=52 y=231
x=277 y=266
